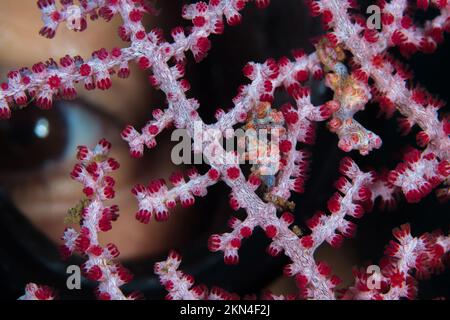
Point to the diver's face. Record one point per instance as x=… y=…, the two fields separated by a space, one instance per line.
x=41 y=144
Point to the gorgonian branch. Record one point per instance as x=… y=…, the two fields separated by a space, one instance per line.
x=369 y=75
x=406 y=259
x=95 y=216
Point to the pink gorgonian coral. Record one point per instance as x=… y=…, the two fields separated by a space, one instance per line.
x=356 y=64
x=94 y=217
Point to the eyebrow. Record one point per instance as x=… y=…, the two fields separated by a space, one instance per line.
x=98 y=109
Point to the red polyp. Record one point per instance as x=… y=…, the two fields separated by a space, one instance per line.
x=357 y=66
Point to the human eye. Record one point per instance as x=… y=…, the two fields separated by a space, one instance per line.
x=36 y=143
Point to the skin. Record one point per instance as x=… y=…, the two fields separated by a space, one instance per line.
x=43 y=195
